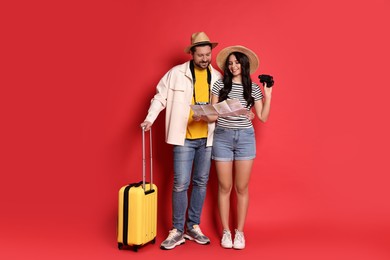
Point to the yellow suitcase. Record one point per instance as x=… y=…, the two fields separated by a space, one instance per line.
x=137 y=209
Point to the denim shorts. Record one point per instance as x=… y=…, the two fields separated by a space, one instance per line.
x=234 y=144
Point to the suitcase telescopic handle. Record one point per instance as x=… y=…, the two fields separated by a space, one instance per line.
x=144 y=159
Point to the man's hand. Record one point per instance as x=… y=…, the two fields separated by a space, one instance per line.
x=146 y=125
x=196 y=117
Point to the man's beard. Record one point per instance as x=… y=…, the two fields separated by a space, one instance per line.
x=202 y=65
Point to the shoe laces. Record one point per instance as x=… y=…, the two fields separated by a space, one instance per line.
x=172 y=233
x=226 y=235
x=239 y=235
x=196 y=228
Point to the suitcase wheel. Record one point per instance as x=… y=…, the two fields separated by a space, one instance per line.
x=154 y=241
x=120 y=246
x=135 y=248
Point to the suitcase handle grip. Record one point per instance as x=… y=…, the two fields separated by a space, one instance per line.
x=144 y=160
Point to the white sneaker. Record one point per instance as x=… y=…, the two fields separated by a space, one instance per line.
x=226 y=241
x=239 y=240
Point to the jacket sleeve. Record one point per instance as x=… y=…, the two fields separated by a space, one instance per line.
x=159 y=101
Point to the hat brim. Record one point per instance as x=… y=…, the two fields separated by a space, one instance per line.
x=224 y=53
x=188 y=48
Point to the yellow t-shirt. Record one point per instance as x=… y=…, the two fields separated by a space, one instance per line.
x=198 y=129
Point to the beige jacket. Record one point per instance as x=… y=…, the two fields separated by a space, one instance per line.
x=174 y=92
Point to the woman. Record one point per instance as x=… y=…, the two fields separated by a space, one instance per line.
x=234 y=145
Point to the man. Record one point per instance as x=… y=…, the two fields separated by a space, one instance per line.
x=191 y=136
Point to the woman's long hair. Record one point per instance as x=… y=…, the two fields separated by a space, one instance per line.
x=246 y=79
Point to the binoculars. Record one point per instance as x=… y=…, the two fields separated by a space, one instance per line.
x=266 y=79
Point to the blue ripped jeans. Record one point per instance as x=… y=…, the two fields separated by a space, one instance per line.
x=193 y=155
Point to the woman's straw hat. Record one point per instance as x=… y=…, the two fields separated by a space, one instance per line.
x=224 y=53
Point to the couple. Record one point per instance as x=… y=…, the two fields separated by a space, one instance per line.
x=229 y=141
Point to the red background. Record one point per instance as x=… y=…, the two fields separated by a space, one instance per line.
x=76 y=81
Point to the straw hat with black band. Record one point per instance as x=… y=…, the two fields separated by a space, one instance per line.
x=224 y=53
x=199 y=38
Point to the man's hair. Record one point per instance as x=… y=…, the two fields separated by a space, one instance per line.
x=193 y=48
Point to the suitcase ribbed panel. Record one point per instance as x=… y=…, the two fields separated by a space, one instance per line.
x=136 y=216
x=120 y=216
x=151 y=213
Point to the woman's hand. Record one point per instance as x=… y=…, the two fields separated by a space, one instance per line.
x=250 y=115
x=267 y=91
